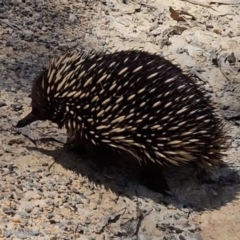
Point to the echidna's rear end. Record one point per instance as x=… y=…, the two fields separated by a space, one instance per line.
x=133 y=102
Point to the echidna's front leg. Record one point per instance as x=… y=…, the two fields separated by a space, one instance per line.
x=75 y=145
x=153 y=178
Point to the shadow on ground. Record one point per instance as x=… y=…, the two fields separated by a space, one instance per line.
x=212 y=192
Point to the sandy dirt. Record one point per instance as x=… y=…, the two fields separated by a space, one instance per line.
x=49 y=192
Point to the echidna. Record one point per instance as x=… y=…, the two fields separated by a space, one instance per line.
x=131 y=102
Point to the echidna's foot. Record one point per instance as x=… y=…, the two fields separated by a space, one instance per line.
x=101 y=157
x=76 y=148
x=154 y=179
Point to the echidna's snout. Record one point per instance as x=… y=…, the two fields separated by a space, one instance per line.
x=30 y=118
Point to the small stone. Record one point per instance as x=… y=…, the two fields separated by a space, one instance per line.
x=49 y=215
x=141 y=237
x=64 y=227
x=2 y=57
x=72 y=18
x=8 y=233
x=33 y=233
x=39 y=2
x=44 y=224
x=10 y=167
x=29 y=208
x=180 y=50
x=2 y=104
x=4 y=220
x=9 y=44
x=21 y=234
x=32 y=195
x=31 y=184
x=17 y=106
x=77 y=200
x=51 y=195
x=8 y=211
x=28 y=34
x=63 y=46
x=197 y=236
x=49 y=202
x=35 y=211
x=16 y=219
x=23 y=214
x=181 y=237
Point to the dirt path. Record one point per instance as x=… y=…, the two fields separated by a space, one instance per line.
x=50 y=193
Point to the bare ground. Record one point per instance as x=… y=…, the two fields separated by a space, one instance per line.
x=48 y=192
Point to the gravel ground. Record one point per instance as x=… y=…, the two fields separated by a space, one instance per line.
x=49 y=192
